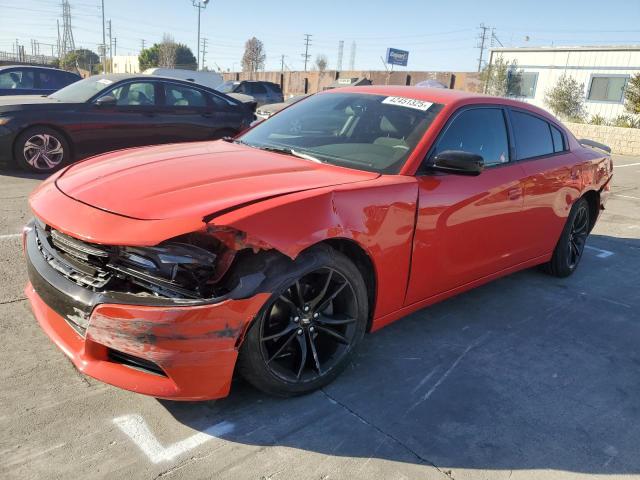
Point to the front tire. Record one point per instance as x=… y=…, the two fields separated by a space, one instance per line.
x=569 y=249
x=308 y=331
x=41 y=150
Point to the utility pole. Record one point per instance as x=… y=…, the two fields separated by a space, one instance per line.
x=305 y=55
x=115 y=46
x=495 y=39
x=110 y=47
x=352 y=60
x=142 y=44
x=204 y=52
x=199 y=4
x=340 y=53
x=282 y=63
x=67 y=43
x=104 y=43
x=482 y=37
x=58 y=24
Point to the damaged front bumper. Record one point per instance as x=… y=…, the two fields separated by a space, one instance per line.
x=158 y=347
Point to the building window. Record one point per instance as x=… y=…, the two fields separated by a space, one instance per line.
x=522 y=84
x=607 y=88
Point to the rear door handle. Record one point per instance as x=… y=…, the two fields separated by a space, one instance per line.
x=514 y=193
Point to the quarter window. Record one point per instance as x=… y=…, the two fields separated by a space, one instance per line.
x=558 y=140
x=17 y=79
x=137 y=93
x=481 y=131
x=532 y=135
x=607 y=89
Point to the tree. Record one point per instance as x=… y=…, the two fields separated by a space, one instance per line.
x=501 y=78
x=254 y=55
x=81 y=58
x=566 y=98
x=167 y=54
x=321 y=62
x=632 y=95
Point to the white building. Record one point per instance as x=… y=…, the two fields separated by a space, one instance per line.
x=604 y=71
x=126 y=64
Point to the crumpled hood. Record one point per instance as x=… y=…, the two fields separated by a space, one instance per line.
x=196 y=179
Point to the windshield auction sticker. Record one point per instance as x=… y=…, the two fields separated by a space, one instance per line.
x=408 y=102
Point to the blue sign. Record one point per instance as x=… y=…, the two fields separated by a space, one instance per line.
x=397 y=57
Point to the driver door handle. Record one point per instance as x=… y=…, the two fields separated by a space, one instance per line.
x=514 y=193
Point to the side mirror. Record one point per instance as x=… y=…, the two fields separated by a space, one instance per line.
x=106 y=101
x=458 y=162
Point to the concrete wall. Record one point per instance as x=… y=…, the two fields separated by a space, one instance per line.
x=581 y=63
x=126 y=64
x=623 y=141
x=294 y=83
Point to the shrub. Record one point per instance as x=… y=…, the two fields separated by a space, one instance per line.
x=632 y=95
x=598 y=120
x=626 y=121
x=566 y=98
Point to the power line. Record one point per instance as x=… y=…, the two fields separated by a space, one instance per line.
x=68 y=44
x=305 y=55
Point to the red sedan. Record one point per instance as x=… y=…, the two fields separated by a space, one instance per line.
x=163 y=269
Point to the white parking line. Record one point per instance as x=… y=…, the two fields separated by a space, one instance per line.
x=626 y=196
x=11 y=235
x=626 y=165
x=602 y=254
x=136 y=428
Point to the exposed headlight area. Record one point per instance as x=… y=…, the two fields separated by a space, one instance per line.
x=182 y=268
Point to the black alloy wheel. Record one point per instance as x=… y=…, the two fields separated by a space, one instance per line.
x=570 y=247
x=308 y=331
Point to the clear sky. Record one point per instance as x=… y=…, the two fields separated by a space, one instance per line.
x=440 y=35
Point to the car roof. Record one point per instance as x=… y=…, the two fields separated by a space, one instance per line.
x=39 y=67
x=445 y=96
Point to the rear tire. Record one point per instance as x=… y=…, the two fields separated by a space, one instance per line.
x=303 y=339
x=41 y=150
x=569 y=249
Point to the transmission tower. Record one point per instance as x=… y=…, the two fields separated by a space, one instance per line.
x=305 y=55
x=340 y=52
x=66 y=44
x=482 y=43
x=352 y=60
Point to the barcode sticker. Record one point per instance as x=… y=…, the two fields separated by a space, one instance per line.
x=408 y=102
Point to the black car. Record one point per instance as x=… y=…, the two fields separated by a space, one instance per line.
x=263 y=92
x=110 y=112
x=28 y=80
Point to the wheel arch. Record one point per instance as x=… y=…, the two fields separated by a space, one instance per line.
x=593 y=200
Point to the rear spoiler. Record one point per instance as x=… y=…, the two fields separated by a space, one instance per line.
x=590 y=143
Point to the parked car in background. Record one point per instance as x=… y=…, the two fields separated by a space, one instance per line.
x=208 y=79
x=265 y=111
x=110 y=112
x=30 y=80
x=272 y=255
x=263 y=92
x=349 y=82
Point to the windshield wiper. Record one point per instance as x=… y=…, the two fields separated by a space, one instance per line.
x=289 y=151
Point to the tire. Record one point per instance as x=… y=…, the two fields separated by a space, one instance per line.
x=569 y=249
x=278 y=363
x=41 y=150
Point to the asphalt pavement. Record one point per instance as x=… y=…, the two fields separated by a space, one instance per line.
x=527 y=377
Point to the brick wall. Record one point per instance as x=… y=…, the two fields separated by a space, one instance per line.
x=623 y=141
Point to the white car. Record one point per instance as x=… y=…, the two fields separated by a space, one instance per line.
x=207 y=79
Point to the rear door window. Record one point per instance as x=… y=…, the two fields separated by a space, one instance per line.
x=532 y=135
x=256 y=89
x=479 y=130
x=19 y=79
x=179 y=96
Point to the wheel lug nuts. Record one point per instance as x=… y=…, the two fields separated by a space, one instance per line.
x=299 y=331
x=306 y=308
x=296 y=319
x=311 y=329
x=316 y=315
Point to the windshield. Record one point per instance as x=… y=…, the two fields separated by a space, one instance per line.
x=83 y=90
x=226 y=87
x=368 y=132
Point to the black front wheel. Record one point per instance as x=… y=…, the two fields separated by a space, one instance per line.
x=307 y=332
x=569 y=249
